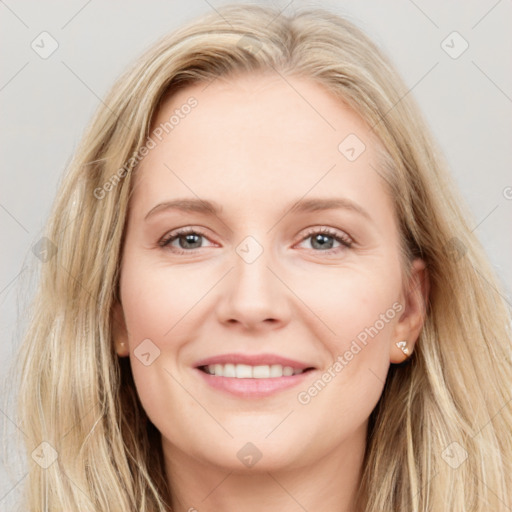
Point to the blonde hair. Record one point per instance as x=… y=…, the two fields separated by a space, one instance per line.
x=451 y=401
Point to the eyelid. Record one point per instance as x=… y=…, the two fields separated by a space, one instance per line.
x=176 y=233
x=344 y=239
x=342 y=236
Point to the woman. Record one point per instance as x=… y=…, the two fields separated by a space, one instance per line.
x=264 y=290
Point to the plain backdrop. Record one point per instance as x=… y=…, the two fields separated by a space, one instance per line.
x=46 y=103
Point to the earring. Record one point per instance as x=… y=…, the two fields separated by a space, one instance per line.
x=402 y=345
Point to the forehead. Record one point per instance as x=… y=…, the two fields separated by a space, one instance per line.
x=258 y=139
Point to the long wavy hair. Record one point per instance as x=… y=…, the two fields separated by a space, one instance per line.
x=440 y=436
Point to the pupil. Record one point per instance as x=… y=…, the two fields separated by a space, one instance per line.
x=189 y=239
x=323 y=241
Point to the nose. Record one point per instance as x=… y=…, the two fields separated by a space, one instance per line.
x=253 y=296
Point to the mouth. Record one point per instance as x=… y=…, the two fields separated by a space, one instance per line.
x=245 y=371
x=252 y=376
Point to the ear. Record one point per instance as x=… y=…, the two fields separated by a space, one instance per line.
x=119 y=331
x=414 y=299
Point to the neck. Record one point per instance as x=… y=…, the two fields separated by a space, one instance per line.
x=328 y=483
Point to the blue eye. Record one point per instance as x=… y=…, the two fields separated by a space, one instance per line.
x=322 y=240
x=188 y=239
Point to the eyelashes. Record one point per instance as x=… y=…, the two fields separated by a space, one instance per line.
x=321 y=234
x=179 y=234
x=320 y=237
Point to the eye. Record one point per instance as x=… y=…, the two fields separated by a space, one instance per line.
x=188 y=239
x=323 y=240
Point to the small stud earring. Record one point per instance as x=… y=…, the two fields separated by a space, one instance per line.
x=402 y=345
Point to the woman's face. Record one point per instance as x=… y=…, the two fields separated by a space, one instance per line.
x=290 y=258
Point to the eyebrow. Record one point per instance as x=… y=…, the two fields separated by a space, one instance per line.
x=302 y=206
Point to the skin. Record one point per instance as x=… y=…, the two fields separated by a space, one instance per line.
x=255 y=146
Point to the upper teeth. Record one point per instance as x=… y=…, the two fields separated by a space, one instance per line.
x=245 y=371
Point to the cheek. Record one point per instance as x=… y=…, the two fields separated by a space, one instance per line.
x=155 y=300
x=156 y=303
x=353 y=303
x=159 y=307
x=357 y=310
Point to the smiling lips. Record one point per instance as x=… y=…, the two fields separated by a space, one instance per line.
x=245 y=371
x=252 y=376
x=258 y=366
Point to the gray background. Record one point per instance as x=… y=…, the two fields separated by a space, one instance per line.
x=46 y=104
